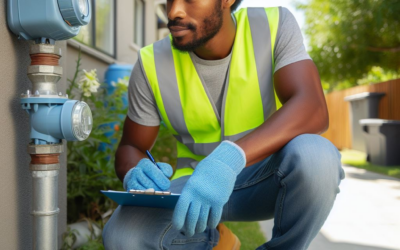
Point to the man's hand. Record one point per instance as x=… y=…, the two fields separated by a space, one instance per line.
x=147 y=175
x=208 y=189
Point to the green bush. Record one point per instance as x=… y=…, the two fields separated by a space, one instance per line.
x=89 y=169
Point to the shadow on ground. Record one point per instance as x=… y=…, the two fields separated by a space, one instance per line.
x=370 y=177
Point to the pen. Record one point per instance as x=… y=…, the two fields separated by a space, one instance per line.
x=152 y=159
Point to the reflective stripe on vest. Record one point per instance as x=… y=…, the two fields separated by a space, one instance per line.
x=249 y=96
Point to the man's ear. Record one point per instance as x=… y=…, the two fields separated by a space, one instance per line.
x=226 y=4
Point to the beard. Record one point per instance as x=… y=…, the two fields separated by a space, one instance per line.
x=211 y=26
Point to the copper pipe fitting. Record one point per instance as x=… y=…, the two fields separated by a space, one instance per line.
x=45 y=159
x=45 y=59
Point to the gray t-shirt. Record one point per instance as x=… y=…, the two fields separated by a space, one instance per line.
x=289 y=49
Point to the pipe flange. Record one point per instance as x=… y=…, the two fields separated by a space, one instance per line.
x=37 y=69
x=45 y=213
x=45 y=49
x=45 y=149
x=44 y=167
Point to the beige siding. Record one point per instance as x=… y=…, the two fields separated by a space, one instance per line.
x=88 y=62
x=125 y=32
x=15 y=177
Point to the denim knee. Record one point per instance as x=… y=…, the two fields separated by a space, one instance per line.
x=140 y=228
x=313 y=163
x=136 y=228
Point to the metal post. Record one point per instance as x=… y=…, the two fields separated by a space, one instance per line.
x=45 y=167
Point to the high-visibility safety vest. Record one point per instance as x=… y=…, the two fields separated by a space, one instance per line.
x=184 y=103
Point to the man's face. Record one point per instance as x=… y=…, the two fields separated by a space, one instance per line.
x=193 y=22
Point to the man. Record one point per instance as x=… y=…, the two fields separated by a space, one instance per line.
x=244 y=101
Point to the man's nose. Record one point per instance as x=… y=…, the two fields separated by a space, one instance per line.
x=177 y=10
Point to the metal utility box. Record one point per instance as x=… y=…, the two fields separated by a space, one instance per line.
x=363 y=106
x=382 y=139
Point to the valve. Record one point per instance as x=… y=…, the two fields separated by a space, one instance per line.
x=53 y=116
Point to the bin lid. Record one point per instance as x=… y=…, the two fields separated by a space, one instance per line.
x=378 y=122
x=116 y=67
x=363 y=95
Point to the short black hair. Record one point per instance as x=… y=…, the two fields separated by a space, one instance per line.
x=236 y=5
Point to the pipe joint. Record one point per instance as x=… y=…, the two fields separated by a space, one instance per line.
x=46 y=149
x=44 y=167
x=42 y=48
x=45 y=213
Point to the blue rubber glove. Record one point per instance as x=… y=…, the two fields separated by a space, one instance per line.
x=208 y=189
x=147 y=175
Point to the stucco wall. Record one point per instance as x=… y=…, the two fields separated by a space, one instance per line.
x=125 y=32
x=93 y=59
x=88 y=62
x=15 y=176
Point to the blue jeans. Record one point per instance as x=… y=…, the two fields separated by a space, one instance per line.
x=296 y=186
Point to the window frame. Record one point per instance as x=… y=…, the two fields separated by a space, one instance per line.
x=93 y=30
x=143 y=21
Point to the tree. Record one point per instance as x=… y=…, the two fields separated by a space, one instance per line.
x=349 y=37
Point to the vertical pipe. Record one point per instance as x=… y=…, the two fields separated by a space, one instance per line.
x=45 y=169
x=45 y=209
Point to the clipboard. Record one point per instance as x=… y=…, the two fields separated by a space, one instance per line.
x=143 y=198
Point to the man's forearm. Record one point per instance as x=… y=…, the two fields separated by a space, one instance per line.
x=304 y=111
x=298 y=116
x=126 y=158
x=136 y=139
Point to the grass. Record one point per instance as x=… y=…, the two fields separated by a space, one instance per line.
x=359 y=159
x=249 y=233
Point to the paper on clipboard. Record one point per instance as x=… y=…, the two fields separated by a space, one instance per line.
x=142 y=199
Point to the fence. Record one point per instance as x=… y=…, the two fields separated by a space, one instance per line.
x=339 y=127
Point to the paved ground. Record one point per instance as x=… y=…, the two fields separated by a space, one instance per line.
x=366 y=215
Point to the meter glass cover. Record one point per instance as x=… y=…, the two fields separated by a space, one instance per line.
x=84 y=7
x=82 y=121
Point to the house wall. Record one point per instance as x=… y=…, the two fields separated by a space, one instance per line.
x=15 y=177
x=151 y=22
x=125 y=32
x=126 y=50
x=89 y=60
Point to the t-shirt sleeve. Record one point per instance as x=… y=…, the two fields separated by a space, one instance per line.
x=289 y=47
x=142 y=105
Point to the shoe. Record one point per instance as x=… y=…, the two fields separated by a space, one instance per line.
x=227 y=239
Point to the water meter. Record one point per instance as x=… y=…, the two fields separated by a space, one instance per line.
x=53 y=116
x=47 y=19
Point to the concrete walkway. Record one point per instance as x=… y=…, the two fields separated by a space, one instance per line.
x=366 y=215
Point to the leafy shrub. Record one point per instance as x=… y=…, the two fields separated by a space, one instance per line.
x=90 y=169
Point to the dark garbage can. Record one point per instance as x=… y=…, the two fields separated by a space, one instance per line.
x=363 y=106
x=382 y=138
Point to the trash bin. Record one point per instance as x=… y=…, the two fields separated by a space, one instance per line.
x=364 y=105
x=112 y=75
x=382 y=138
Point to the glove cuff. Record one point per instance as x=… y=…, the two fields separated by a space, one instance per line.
x=232 y=155
x=126 y=178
